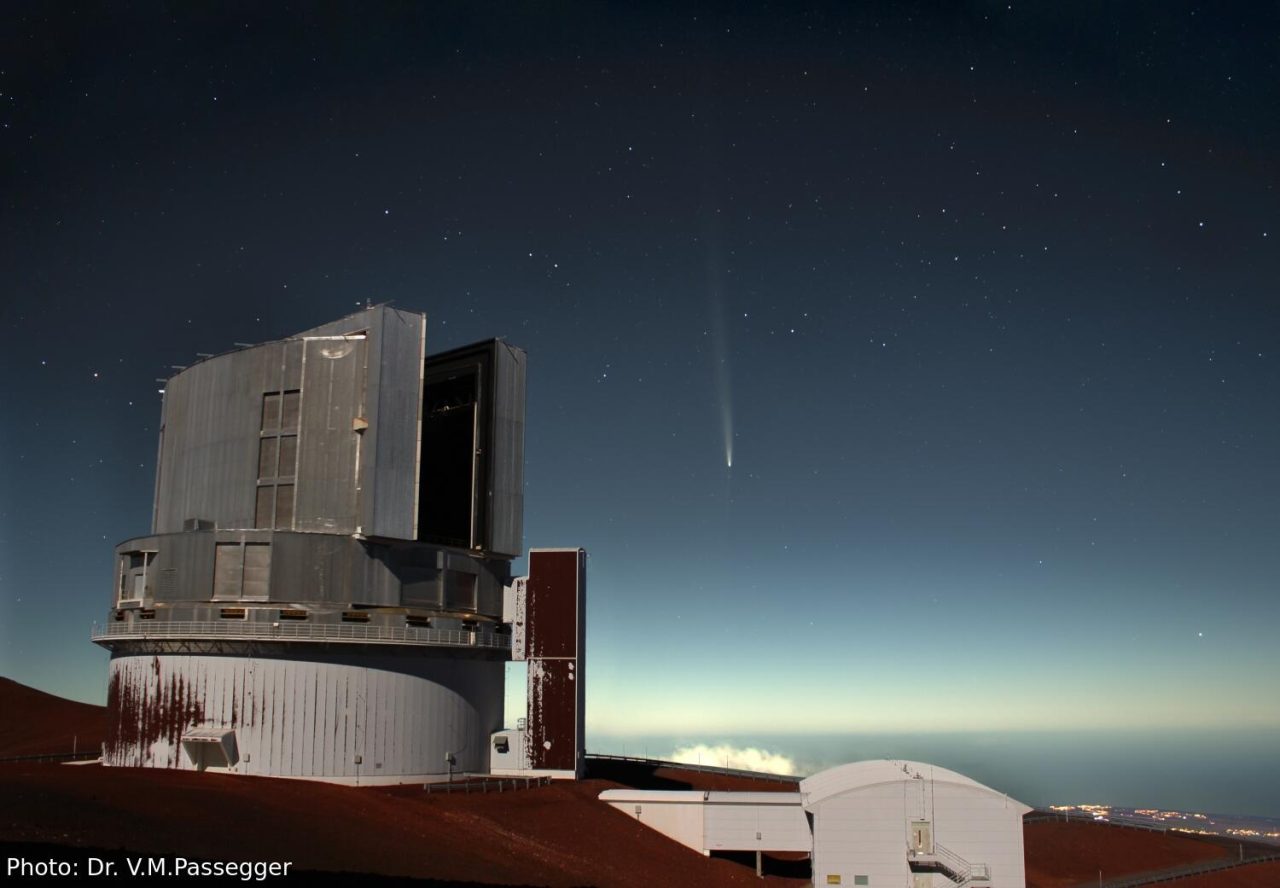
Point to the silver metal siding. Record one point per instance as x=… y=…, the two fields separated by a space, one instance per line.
x=310 y=567
x=390 y=451
x=380 y=585
x=506 y=502
x=210 y=443
x=492 y=580
x=190 y=557
x=333 y=377
x=310 y=713
x=291 y=371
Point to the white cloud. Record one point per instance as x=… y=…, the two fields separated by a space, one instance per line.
x=746 y=758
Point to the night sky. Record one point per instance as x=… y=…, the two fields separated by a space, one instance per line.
x=980 y=304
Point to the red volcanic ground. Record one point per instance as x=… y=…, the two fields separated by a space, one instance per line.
x=558 y=835
x=1255 y=875
x=33 y=722
x=551 y=835
x=1060 y=854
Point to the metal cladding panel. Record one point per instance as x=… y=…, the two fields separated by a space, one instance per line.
x=491 y=580
x=306 y=567
x=981 y=826
x=208 y=462
x=749 y=827
x=309 y=567
x=291 y=376
x=397 y=342
x=333 y=383
x=554 y=635
x=553 y=598
x=551 y=726
x=183 y=569
x=312 y=567
x=506 y=487
x=338 y=718
x=680 y=820
x=418 y=571
x=720 y=821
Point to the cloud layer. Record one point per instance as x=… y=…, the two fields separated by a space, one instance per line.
x=747 y=758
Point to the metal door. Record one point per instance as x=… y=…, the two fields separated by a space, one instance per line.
x=922 y=836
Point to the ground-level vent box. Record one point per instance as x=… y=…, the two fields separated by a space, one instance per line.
x=211 y=747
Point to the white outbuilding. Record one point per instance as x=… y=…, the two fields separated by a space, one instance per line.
x=898 y=823
x=882 y=824
x=709 y=821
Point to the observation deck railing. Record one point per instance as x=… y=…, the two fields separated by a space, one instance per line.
x=242 y=630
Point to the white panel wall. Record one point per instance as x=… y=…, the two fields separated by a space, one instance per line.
x=755 y=826
x=719 y=821
x=679 y=820
x=308 y=718
x=865 y=831
x=982 y=828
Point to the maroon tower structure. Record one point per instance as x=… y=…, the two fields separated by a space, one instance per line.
x=549 y=632
x=555 y=637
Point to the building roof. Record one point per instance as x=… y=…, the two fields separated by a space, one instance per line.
x=857 y=775
x=735 y=797
x=652 y=795
x=700 y=796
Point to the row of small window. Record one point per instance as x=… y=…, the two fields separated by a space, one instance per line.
x=277 y=456
x=277 y=460
x=280 y=410
x=413 y=621
x=274 y=508
x=240 y=613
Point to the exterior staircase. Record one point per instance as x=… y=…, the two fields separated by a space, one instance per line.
x=959 y=871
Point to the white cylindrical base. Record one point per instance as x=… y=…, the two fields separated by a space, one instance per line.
x=418 y=715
